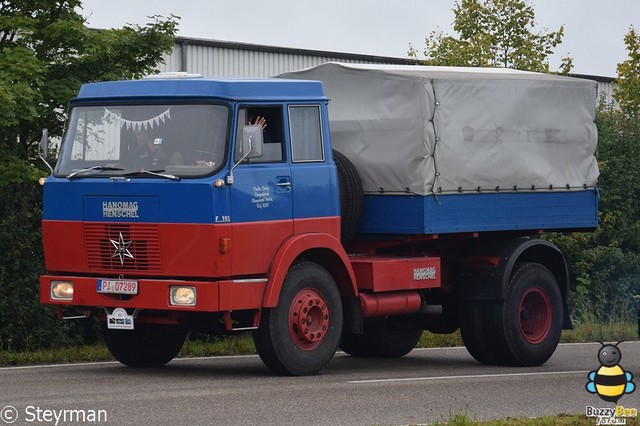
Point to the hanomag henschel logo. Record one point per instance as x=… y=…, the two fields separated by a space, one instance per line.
x=120 y=209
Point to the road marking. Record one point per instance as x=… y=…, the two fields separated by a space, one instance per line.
x=76 y=364
x=82 y=364
x=470 y=376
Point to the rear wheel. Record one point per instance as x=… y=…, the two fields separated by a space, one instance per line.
x=523 y=329
x=300 y=335
x=445 y=323
x=473 y=331
x=532 y=314
x=148 y=345
x=356 y=345
x=392 y=337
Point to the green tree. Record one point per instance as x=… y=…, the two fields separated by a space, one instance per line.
x=46 y=53
x=605 y=265
x=493 y=33
x=627 y=92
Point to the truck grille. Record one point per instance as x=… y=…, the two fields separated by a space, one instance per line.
x=144 y=247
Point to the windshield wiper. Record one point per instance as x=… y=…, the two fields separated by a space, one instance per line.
x=94 y=168
x=157 y=173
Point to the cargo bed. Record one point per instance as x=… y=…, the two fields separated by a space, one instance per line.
x=444 y=149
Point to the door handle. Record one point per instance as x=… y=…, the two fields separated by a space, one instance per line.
x=283 y=183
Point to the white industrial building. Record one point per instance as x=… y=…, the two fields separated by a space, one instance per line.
x=214 y=58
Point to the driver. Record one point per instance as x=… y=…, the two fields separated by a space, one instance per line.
x=147 y=153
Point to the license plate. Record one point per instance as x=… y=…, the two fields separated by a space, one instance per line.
x=118 y=286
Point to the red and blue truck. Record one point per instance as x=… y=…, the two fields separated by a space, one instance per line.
x=342 y=206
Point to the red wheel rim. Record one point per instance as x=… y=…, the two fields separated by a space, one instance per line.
x=535 y=315
x=308 y=319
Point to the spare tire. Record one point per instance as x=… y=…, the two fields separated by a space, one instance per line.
x=351 y=196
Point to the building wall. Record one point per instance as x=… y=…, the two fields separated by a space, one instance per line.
x=227 y=59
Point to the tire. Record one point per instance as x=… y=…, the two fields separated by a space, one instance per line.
x=285 y=341
x=351 y=196
x=473 y=330
x=523 y=329
x=392 y=337
x=483 y=335
x=389 y=337
x=356 y=345
x=148 y=345
x=446 y=323
x=532 y=314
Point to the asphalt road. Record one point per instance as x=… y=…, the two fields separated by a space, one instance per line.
x=427 y=385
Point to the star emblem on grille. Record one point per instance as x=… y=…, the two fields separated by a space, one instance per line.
x=121 y=249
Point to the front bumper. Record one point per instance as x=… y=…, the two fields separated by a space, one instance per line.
x=153 y=294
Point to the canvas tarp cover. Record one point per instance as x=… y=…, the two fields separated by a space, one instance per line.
x=425 y=130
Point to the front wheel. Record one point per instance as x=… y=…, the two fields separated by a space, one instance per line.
x=300 y=335
x=148 y=345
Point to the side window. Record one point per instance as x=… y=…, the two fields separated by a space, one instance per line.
x=272 y=123
x=306 y=133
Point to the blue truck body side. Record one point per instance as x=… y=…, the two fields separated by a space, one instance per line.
x=516 y=211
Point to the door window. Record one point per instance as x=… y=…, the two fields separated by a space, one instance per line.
x=306 y=133
x=273 y=136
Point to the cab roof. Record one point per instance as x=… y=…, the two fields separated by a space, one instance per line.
x=203 y=88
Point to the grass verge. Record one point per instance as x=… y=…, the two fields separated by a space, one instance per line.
x=560 y=420
x=242 y=344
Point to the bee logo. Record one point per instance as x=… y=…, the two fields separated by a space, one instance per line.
x=610 y=381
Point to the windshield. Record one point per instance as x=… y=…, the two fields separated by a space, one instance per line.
x=115 y=140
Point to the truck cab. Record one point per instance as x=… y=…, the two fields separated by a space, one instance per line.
x=176 y=161
x=157 y=209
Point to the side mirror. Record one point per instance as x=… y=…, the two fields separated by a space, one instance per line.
x=252 y=141
x=251 y=147
x=43 y=149
x=44 y=143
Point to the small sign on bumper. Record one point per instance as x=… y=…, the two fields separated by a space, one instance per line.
x=119 y=320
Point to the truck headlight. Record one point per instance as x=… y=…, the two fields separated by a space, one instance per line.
x=62 y=290
x=183 y=296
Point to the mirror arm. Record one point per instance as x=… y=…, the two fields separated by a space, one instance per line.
x=244 y=157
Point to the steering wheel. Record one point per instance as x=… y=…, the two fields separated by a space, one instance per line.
x=205 y=157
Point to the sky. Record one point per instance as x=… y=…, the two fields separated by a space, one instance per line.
x=594 y=29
